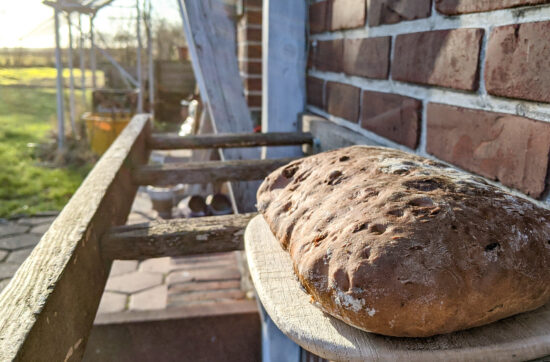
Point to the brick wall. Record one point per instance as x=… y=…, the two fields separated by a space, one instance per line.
x=249 y=53
x=463 y=81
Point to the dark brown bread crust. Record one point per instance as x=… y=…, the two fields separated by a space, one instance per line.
x=401 y=245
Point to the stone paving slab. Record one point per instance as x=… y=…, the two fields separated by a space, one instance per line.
x=19 y=256
x=36 y=220
x=10 y=228
x=17 y=242
x=112 y=302
x=150 y=299
x=3 y=283
x=160 y=284
x=123 y=266
x=40 y=229
x=157 y=265
x=20 y=241
x=133 y=282
x=8 y=269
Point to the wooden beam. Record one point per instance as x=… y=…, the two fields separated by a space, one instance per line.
x=48 y=308
x=330 y=136
x=228 y=140
x=178 y=237
x=213 y=171
x=284 y=67
x=210 y=34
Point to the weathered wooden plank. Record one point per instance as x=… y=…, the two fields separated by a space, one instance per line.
x=228 y=140
x=213 y=171
x=48 y=308
x=210 y=35
x=178 y=237
x=284 y=67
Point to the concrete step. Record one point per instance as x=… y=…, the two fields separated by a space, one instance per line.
x=215 y=331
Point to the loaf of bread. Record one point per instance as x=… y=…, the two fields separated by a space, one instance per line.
x=400 y=245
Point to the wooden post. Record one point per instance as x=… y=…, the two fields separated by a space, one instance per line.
x=138 y=59
x=211 y=42
x=82 y=61
x=71 y=77
x=92 y=53
x=59 y=94
x=150 y=67
x=283 y=74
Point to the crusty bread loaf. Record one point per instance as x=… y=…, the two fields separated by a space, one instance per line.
x=401 y=245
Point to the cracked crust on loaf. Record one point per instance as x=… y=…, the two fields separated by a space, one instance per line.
x=400 y=245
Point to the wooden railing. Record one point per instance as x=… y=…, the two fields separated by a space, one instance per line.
x=231 y=140
x=48 y=308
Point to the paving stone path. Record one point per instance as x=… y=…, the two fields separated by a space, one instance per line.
x=134 y=285
x=17 y=239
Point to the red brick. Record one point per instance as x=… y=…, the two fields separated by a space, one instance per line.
x=250 y=51
x=329 y=55
x=251 y=67
x=255 y=3
x=394 y=11
x=447 y=58
x=518 y=61
x=253 y=16
x=318 y=17
x=342 y=100
x=367 y=57
x=347 y=14
x=392 y=116
x=249 y=17
x=511 y=149
x=254 y=100
x=253 y=84
x=245 y=34
x=315 y=87
x=453 y=7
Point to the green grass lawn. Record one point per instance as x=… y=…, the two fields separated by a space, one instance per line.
x=44 y=76
x=27 y=116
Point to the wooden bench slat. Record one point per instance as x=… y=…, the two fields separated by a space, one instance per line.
x=48 y=308
x=177 y=237
x=203 y=172
x=228 y=140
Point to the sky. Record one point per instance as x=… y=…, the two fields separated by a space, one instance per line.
x=30 y=24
